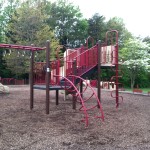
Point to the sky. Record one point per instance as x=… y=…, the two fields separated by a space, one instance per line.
x=135 y=13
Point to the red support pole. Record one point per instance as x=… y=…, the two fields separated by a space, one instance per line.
x=57 y=80
x=74 y=66
x=117 y=79
x=99 y=71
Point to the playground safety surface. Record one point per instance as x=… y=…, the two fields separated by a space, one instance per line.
x=23 y=129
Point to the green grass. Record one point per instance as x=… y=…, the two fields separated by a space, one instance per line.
x=145 y=90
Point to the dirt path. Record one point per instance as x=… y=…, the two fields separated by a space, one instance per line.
x=22 y=129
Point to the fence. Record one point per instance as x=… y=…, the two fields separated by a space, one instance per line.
x=13 y=81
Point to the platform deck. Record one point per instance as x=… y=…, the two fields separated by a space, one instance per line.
x=51 y=87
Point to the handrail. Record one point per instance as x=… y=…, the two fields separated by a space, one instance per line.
x=87 y=41
x=86 y=51
x=111 y=31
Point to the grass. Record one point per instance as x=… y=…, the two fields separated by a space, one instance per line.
x=145 y=90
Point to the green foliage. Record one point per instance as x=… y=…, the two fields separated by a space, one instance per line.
x=136 y=58
x=97 y=27
x=4 y=72
x=143 y=79
x=26 y=26
x=19 y=60
x=5 y=16
x=147 y=40
x=116 y=23
x=125 y=80
x=66 y=19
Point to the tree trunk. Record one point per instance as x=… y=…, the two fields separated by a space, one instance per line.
x=132 y=84
x=132 y=77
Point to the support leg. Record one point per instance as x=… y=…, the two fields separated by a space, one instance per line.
x=99 y=72
x=74 y=102
x=31 y=80
x=48 y=76
x=57 y=97
x=81 y=88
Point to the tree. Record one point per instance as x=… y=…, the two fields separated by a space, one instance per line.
x=28 y=26
x=147 y=40
x=1 y=22
x=66 y=19
x=136 y=58
x=116 y=23
x=80 y=34
x=97 y=27
x=5 y=16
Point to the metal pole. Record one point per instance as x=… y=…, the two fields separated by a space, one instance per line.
x=57 y=81
x=81 y=88
x=47 y=75
x=74 y=65
x=99 y=71
x=31 y=79
x=117 y=80
x=57 y=97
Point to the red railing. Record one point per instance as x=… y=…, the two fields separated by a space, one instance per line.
x=61 y=67
x=84 y=60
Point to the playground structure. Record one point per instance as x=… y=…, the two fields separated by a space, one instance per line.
x=103 y=84
x=69 y=73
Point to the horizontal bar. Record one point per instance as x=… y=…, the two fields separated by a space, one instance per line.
x=21 y=47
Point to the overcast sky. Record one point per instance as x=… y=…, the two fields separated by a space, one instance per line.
x=135 y=13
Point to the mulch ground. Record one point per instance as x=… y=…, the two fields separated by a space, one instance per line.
x=62 y=129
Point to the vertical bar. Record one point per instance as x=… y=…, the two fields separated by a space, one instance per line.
x=57 y=71
x=57 y=97
x=31 y=79
x=47 y=75
x=57 y=81
x=99 y=71
x=117 y=80
x=74 y=65
x=65 y=73
x=81 y=88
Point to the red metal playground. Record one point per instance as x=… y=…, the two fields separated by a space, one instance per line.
x=69 y=73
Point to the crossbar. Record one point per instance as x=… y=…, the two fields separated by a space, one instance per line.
x=21 y=47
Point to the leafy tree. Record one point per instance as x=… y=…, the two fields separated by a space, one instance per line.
x=116 y=23
x=1 y=38
x=136 y=58
x=97 y=27
x=5 y=16
x=1 y=22
x=66 y=19
x=79 y=34
x=28 y=26
x=147 y=40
